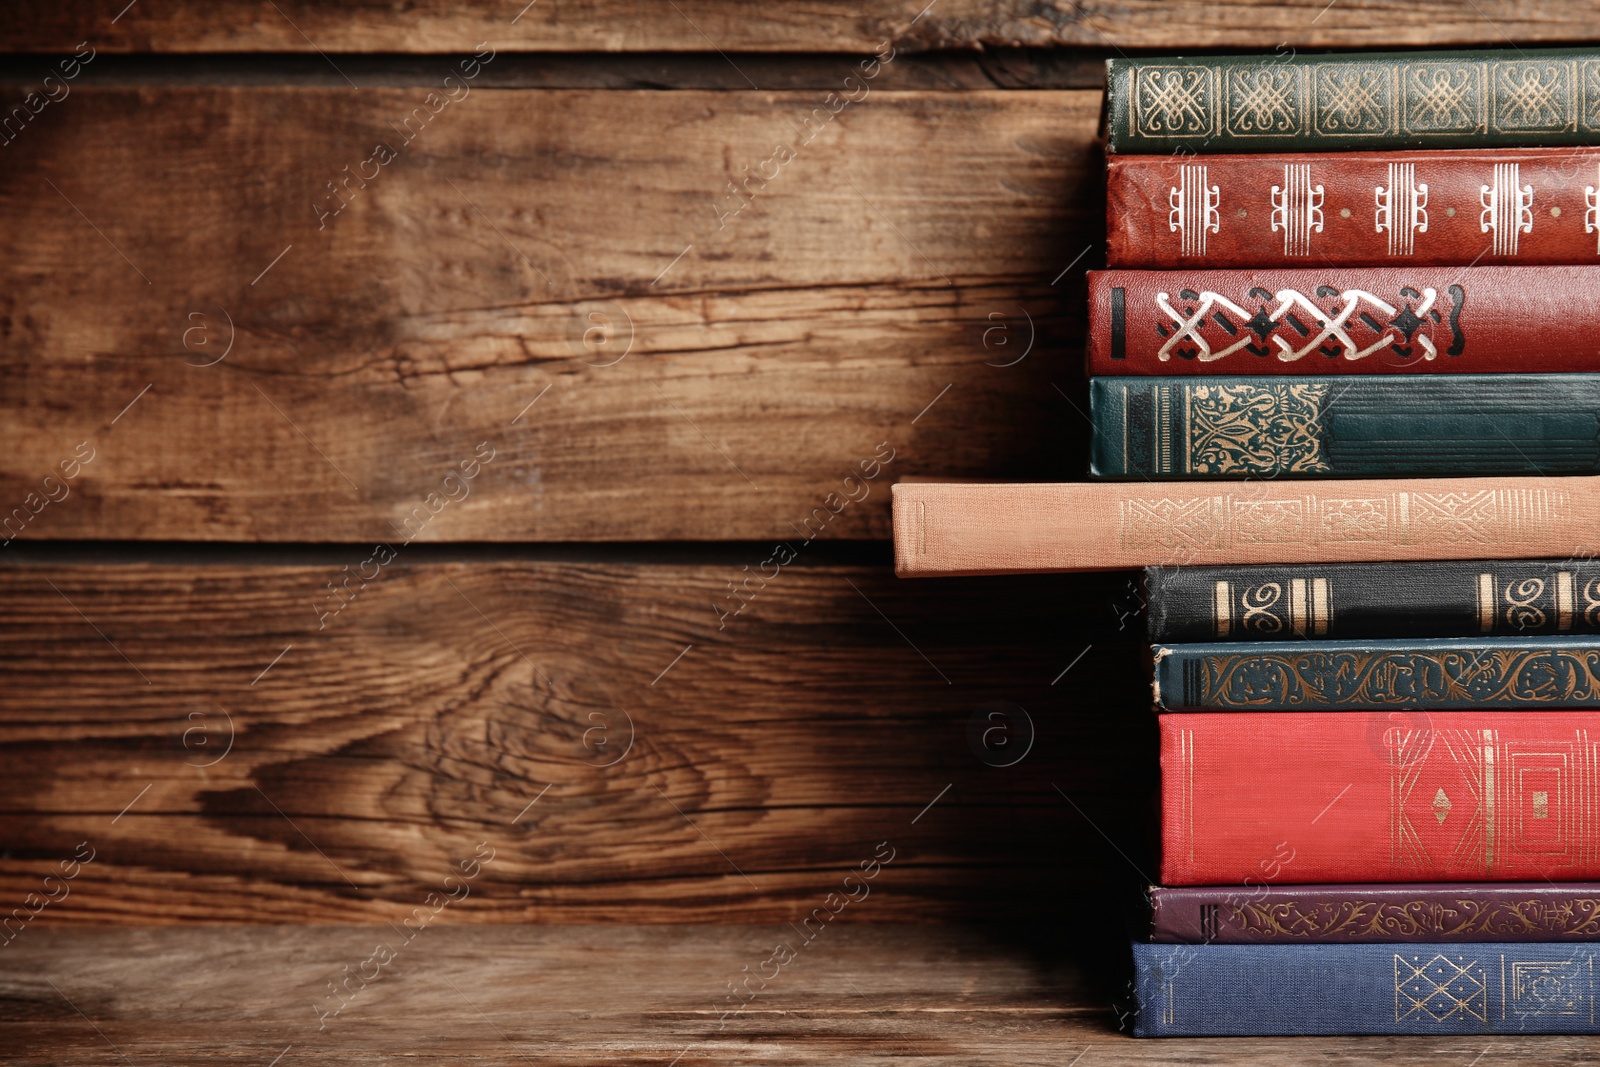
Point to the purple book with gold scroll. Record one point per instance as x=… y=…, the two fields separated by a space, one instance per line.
x=1417 y=912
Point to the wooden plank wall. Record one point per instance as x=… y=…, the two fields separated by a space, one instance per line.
x=384 y=459
x=578 y=251
x=821 y=26
x=624 y=756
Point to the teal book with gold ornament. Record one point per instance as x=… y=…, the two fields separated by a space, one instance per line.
x=1344 y=427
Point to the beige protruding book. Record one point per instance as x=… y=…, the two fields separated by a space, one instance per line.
x=953 y=528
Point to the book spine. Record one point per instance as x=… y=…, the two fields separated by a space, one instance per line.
x=1372 y=600
x=1450 y=672
x=1260 y=990
x=1341 y=320
x=964 y=528
x=1353 y=427
x=1390 y=914
x=1371 y=101
x=1511 y=206
x=1301 y=798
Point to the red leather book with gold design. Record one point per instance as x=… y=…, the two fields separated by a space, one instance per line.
x=1282 y=798
x=1374 y=320
x=1504 y=206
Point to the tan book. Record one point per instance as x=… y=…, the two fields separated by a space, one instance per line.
x=954 y=528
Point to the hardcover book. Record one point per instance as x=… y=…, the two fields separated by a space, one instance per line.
x=1372 y=600
x=1315 y=914
x=950 y=528
x=1363 y=675
x=1342 y=320
x=1361 y=101
x=1295 y=798
x=1503 y=206
x=1344 y=427
x=1214 y=990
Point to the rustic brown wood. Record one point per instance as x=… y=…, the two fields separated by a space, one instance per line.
x=612 y=995
x=824 y=26
x=521 y=243
x=453 y=704
x=228 y=748
x=946 y=71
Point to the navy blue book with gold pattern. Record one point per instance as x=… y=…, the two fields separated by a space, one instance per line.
x=1539 y=673
x=1470 y=598
x=1347 y=426
x=1259 y=990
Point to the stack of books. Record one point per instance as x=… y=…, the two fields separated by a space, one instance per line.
x=1353 y=300
x=1380 y=799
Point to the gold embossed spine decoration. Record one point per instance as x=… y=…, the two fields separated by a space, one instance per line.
x=1487 y=610
x=1226 y=520
x=1127 y=441
x=1478 y=676
x=1525 y=609
x=1377 y=100
x=1223 y=609
x=1488 y=798
x=1163 y=405
x=1261 y=604
x=1188 y=789
x=1440 y=987
x=1173 y=100
x=1548 y=917
x=1299 y=607
x=1256 y=428
x=1177 y=773
x=952 y=528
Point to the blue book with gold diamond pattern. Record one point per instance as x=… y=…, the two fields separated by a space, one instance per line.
x=1260 y=990
x=1348 y=426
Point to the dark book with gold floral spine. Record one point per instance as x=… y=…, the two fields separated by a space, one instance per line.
x=1536 y=673
x=1328 y=427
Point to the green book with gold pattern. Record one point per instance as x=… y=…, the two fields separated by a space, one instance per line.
x=1348 y=426
x=1287 y=102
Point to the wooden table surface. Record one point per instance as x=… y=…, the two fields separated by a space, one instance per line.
x=616 y=994
x=362 y=509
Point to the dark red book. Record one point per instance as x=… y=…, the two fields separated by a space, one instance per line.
x=1345 y=320
x=1282 y=798
x=1502 y=206
x=1325 y=914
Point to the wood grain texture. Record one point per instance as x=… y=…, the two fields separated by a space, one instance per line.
x=698 y=371
x=453 y=704
x=937 y=71
x=613 y=995
x=824 y=26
